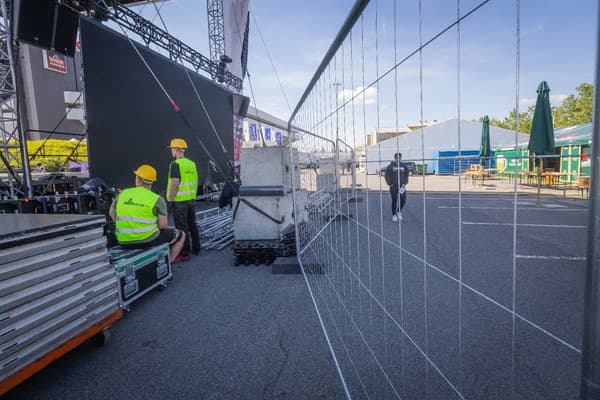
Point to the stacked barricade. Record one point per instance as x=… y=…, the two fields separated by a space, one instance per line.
x=215 y=226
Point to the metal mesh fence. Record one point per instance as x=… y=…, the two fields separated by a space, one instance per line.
x=471 y=287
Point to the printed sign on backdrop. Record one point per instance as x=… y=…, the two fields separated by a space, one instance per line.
x=253 y=132
x=278 y=138
x=246 y=131
x=54 y=61
x=267 y=133
x=238 y=132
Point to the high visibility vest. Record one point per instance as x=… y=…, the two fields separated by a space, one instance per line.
x=135 y=219
x=188 y=183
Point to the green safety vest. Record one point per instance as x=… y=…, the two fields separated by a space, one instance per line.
x=188 y=183
x=135 y=219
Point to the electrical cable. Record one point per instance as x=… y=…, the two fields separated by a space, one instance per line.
x=214 y=129
x=237 y=23
x=287 y=102
x=173 y=104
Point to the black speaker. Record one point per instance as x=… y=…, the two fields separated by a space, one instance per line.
x=47 y=24
x=240 y=104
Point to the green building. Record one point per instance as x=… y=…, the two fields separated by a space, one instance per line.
x=573 y=145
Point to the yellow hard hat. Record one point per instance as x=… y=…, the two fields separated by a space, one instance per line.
x=178 y=144
x=146 y=172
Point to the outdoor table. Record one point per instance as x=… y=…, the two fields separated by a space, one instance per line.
x=520 y=175
x=553 y=178
x=489 y=172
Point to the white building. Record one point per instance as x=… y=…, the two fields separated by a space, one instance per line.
x=424 y=147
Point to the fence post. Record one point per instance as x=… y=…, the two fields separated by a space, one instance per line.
x=590 y=368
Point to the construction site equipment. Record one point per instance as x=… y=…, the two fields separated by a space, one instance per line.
x=215 y=226
x=57 y=288
x=139 y=271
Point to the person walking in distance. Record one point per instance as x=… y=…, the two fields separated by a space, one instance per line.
x=182 y=189
x=396 y=176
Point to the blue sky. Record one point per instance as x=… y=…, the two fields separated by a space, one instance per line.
x=557 y=45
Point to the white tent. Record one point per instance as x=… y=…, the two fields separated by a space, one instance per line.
x=436 y=138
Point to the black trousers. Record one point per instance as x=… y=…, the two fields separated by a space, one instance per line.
x=394 y=192
x=184 y=217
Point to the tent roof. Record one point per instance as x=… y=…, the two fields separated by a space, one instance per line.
x=576 y=134
x=568 y=135
x=444 y=136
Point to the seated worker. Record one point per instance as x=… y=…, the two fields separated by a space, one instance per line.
x=140 y=217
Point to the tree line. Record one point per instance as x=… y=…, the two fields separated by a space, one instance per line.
x=575 y=109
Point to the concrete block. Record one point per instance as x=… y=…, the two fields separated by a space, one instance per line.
x=266 y=166
x=249 y=224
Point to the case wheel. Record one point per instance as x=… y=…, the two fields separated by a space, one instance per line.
x=101 y=338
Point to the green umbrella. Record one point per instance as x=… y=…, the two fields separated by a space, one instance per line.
x=484 y=149
x=541 y=138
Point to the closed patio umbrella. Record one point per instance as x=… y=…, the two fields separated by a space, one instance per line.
x=541 y=138
x=484 y=149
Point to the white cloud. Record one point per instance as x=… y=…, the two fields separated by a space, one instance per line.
x=369 y=95
x=555 y=100
x=526 y=102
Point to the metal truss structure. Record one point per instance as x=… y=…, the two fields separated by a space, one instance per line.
x=177 y=50
x=15 y=176
x=216 y=29
x=15 y=179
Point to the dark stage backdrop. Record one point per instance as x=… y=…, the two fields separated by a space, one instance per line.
x=130 y=121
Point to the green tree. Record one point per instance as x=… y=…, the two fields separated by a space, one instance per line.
x=510 y=121
x=575 y=110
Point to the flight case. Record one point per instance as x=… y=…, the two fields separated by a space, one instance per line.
x=139 y=271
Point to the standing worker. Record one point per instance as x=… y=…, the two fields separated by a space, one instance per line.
x=396 y=176
x=140 y=216
x=182 y=188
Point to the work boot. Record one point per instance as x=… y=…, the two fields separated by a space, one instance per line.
x=180 y=258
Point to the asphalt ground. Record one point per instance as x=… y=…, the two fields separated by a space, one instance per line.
x=426 y=308
x=217 y=332
x=390 y=295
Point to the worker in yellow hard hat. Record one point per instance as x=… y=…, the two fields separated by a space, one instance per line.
x=182 y=189
x=140 y=216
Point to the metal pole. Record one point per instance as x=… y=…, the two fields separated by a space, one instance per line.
x=8 y=21
x=353 y=16
x=338 y=185
x=590 y=369
x=353 y=171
